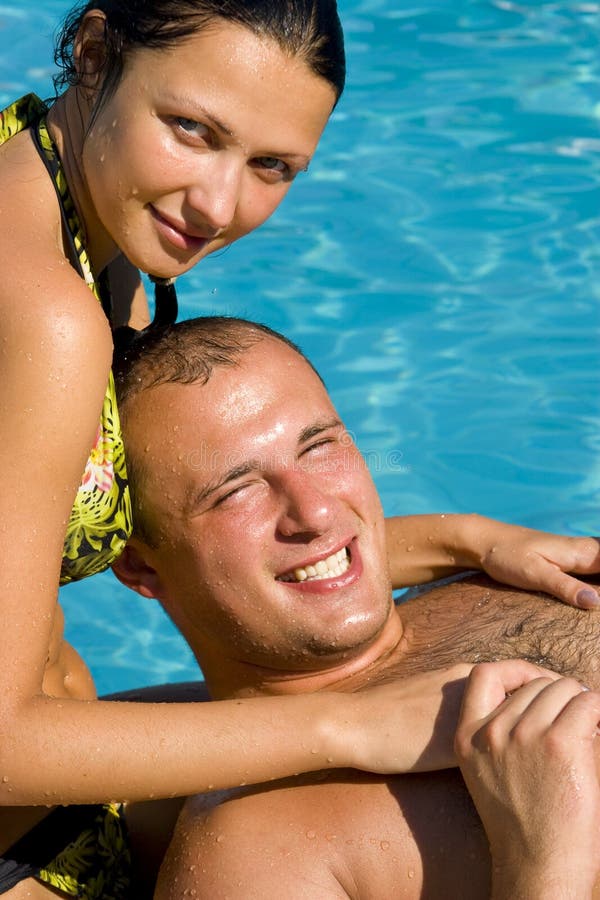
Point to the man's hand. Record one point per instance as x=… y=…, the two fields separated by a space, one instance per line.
x=528 y=760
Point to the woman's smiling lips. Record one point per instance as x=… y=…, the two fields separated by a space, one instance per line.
x=176 y=234
x=327 y=573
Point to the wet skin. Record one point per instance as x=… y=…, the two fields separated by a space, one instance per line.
x=196 y=147
x=246 y=480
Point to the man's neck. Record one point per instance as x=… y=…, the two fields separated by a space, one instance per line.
x=470 y=620
x=225 y=681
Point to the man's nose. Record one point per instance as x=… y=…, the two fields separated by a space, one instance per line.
x=306 y=509
x=215 y=195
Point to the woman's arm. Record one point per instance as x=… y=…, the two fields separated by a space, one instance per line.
x=72 y=751
x=428 y=547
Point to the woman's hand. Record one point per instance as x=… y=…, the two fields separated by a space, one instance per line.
x=429 y=547
x=541 y=561
x=529 y=762
x=409 y=724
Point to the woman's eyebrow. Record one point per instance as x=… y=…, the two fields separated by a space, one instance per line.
x=195 y=108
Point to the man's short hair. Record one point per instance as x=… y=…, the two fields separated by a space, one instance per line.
x=186 y=352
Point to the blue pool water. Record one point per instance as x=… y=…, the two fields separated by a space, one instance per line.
x=439 y=263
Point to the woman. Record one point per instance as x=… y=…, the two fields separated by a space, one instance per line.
x=181 y=128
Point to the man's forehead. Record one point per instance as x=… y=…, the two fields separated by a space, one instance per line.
x=269 y=384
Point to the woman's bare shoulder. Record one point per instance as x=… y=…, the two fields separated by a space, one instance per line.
x=41 y=294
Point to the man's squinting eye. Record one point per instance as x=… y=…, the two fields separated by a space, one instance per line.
x=232 y=493
x=320 y=444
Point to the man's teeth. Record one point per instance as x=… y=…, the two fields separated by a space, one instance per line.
x=336 y=564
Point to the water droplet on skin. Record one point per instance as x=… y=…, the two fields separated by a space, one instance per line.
x=5 y=779
x=385 y=845
x=220 y=838
x=311 y=835
x=411 y=873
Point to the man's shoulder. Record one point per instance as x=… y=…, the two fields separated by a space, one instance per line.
x=298 y=837
x=333 y=835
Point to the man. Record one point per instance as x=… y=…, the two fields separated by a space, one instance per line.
x=260 y=531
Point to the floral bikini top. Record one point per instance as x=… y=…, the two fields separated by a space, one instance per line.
x=100 y=521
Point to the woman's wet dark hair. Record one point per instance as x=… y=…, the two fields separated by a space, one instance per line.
x=308 y=29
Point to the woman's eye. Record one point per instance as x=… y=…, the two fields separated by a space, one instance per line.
x=272 y=164
x=191 y=126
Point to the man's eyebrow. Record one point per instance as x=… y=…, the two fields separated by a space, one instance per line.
x=318 y=428
x=196 y=497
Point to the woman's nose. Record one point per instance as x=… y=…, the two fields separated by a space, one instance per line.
x=215 y=195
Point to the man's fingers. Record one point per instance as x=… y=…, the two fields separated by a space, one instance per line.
x=542 y=701
x=581 y=716
x=489 y=683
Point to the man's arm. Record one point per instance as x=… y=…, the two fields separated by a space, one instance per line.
x=530 y=765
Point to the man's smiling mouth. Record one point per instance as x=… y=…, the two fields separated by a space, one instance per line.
x=331 y=567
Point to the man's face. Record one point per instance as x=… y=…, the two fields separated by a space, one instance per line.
x=270 y=548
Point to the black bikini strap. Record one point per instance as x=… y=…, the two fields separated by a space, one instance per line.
x=53 y=168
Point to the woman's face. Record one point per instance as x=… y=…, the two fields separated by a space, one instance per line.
x=199 y=144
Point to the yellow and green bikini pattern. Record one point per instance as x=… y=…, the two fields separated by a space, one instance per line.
x=100 y=521
x=96 y=865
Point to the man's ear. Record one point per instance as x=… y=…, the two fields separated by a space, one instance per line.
x=89 y=49
x=135 y=572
